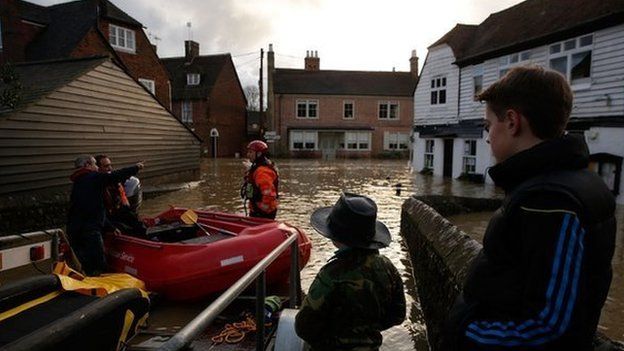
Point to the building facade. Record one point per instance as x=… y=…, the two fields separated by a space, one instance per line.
x=83 y=28
x=339 y=114
x=578 y=38
x=208 y=97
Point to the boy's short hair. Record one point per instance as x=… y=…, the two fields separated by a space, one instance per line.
x=543 y=96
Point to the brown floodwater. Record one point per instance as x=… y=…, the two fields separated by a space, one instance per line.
x=308 y=184
x=612 y=317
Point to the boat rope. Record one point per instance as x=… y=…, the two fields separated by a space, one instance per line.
x=233 y=333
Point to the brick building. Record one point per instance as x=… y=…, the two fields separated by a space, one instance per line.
x=84 y=28
x=345 y=114
x=208 y=97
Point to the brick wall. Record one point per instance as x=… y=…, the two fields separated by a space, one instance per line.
x=330 y=112
x=144 y=63
x=16 y=35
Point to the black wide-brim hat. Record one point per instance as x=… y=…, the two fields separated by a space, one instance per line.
x=352 y=221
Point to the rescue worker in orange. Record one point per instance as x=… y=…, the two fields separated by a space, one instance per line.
x=261 y=184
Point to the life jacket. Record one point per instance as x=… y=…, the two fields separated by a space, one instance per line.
x=261 y=199
x=115 y=197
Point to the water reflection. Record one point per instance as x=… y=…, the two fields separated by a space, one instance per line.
x=612 y=317
x=308 y=184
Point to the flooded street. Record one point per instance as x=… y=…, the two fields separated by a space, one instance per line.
x=309 y=184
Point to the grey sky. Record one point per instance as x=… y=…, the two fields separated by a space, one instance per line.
x=348 y=34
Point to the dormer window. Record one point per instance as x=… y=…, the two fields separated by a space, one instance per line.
x=121 y=38
x=192 y=79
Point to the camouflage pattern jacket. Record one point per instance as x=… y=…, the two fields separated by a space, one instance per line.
x=355 y=296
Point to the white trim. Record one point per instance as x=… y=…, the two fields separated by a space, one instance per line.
x=438 y=85
x=389 y=104
x=186 y=111
x=344 y=103
x=303 y=137
x=307 y=103
x=125 y=44
x=193 y=78
x=358 y=138
x=558 y=50
x=149 y=84
x=398 y=139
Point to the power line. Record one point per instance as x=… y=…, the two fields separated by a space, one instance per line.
x=245 y=54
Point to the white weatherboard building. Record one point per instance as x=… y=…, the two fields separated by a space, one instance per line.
x=582 y=39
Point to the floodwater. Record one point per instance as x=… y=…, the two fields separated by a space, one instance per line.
x=309 y=184
x=612 y=317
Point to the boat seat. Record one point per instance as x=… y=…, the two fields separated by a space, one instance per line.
x=173 y=232
x=206 y=239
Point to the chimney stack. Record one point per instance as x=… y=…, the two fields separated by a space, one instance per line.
x=312 y=61
x=414 y=64
x=191 y=50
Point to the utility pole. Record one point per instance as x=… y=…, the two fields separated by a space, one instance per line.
x=260 y=81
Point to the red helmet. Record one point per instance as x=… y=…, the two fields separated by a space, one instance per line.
x=258 y=146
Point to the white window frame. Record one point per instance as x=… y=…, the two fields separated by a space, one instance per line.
x=438 y=85
x=122 y=39
x=186 y=111
x=429 y=153
x=193 y=78
x=344 y=109
x=388 y=107
x=396 y=141
x=308 y=140
x=559 y=50
x=477 y=75
x=307 y=109
x=469 y=159
x=353 y=141
x=149 y=84
x=505 y=63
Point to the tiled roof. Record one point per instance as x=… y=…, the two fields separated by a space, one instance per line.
x=67 y=25
x=326 y=82
x=457 y=38
x=33 y=12
x=538 y=22
x=38 y=79
x=208 y=66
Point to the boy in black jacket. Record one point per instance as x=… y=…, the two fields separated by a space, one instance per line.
x=545 y=269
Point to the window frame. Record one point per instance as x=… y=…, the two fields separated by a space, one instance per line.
x=568 y=54
x=344 y=109
x=149 y=84
x=399 y=139
x=388 y=109
x=303 y=137
x=429 y=153
x=307 y=103
x=470 y=153
x=360 y=138
x=477 y=72
x=507 y=62
x=437 y=87
x=113 y=28
x=193 y=79
x=186 y=111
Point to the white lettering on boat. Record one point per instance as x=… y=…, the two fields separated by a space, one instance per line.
x=232 y=260
x=130 y=270
x=121 y=256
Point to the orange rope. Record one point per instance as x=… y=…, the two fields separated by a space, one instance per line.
x=235 y=332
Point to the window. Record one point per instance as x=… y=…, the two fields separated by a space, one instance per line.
x=477 y=79
x=429 y=148
x=388 y=110
x=149 y=84
x=357 y=140
x=470 y=157
x=192 y=79
x=572 y=58
x=121 y=38
x=187 y=112
x=505 y=63
x=300 y=140
x=438 y=91
x=347 y=110
x=307 y=108
x=396 y=141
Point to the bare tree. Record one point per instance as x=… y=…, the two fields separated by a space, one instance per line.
x=253 y=98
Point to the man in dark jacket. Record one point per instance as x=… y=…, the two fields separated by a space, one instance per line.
x=545 y=269
x=359 y=292
x=87 y=214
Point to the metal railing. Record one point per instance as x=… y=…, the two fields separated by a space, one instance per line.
x=195 y=327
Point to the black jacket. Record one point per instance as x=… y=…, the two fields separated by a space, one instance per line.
x=545 y=269
x=87 y=211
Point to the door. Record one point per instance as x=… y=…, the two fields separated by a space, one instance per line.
x=448 y=158
x=328 y=143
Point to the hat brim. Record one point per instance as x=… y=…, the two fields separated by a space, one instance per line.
x=380 y=240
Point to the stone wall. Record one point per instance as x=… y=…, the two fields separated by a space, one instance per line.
x=441 y=254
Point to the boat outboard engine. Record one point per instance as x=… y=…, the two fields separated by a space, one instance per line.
x=134 y=193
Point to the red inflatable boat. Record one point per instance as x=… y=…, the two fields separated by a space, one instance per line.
x=185 y=262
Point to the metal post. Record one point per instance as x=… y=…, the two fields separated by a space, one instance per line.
x=260 y=296
x=293 y=288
